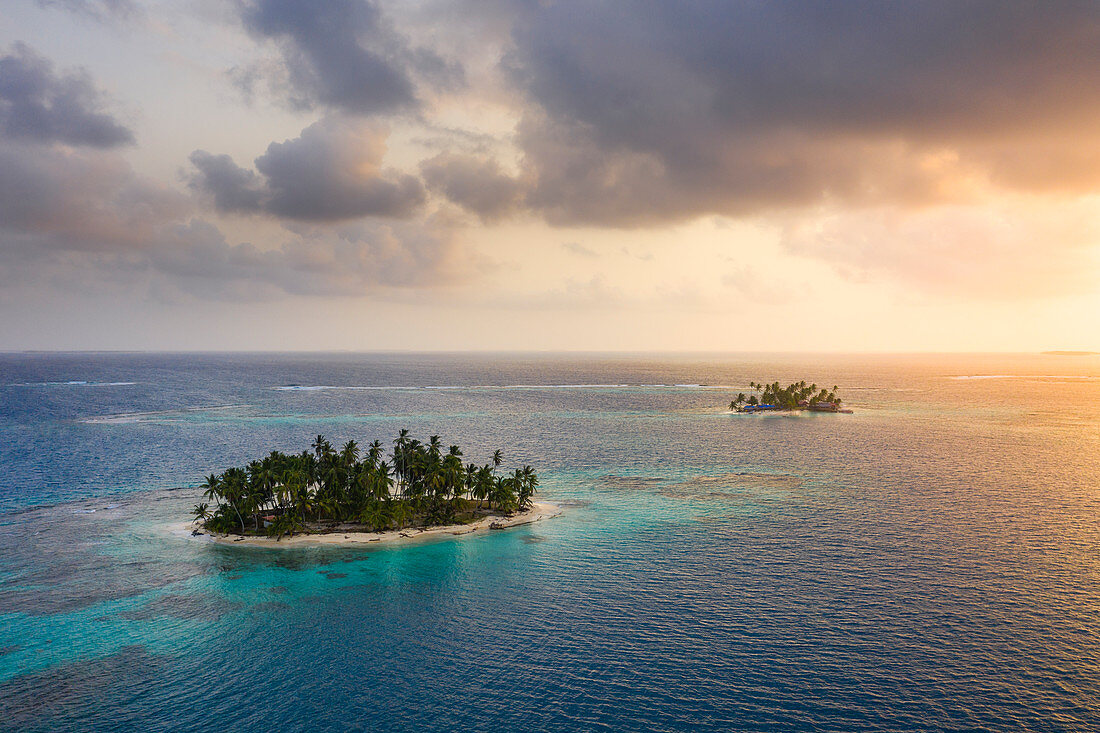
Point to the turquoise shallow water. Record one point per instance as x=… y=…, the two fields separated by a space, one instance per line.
x=928 y=563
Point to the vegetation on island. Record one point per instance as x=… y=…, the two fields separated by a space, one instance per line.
x=325 y=489
x=797 y=396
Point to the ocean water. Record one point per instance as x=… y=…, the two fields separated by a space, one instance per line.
x=931 y=562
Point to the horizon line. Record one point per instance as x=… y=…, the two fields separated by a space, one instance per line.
x=1043 y=352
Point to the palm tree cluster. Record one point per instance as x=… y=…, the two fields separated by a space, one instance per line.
x=791 y=397
x=416 y=485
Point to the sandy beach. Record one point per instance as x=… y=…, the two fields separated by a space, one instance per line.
x=538 y=512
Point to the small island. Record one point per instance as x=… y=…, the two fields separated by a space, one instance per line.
x=797 y=396
x=324 y=491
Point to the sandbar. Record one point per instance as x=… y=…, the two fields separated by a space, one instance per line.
x=538 y=512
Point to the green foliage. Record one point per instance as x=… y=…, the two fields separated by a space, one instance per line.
x=419 y=485
x=284 y=524
x=792 y=397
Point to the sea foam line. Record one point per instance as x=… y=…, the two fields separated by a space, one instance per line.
x=74 y=383
x=133 y=417
x=472 y=387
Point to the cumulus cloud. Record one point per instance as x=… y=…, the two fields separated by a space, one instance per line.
x=667 y=111
x=994 y=251
x=331 y=172
x=477 y=184
x=342 y=54
x=233 y=188
x=40 y=105
x=64 y=212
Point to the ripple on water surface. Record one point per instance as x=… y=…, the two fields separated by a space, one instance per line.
x=926 y=564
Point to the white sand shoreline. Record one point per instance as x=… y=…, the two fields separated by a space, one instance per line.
x=538 y=512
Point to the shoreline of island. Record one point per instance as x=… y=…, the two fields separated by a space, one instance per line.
x=538 y=512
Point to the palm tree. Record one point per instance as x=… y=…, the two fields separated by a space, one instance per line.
x=335 y=486
x=483 y=485
x=303 y=501
x=211 y=486
x=400 y=513
x=202 y=511
x=374 y=452
x=375 y=515
x=331 y=506
x=399 y=458
x=528 y=481
x=382 y=482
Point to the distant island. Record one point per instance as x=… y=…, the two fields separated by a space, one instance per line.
x=797 y=396
x=1071 y=353
x=327 y=491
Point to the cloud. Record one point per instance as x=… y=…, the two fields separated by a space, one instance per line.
x=671 y=111
x=75 y=218
x=233 y=188
x=477 y=184
x=90 y=199
x=97 y=9
x=1007 y=251
x=343 y=55
x=346 y=261
x=39 y=105
x=331 y=172
x=579 y=249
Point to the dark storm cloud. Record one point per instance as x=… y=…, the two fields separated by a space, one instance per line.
x=663 y=111
x=331 y=172
x=38 y=104
x=343 y=55
x=476 y=183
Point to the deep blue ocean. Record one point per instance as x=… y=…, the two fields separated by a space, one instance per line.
x=931 y=562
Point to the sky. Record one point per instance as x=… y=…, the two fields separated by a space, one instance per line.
x=549 y=175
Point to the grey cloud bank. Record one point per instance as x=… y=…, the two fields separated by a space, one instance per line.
x=671 y=110
x=37 y=104
x=331 y=172
x=344 y=55
x=625 y=116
